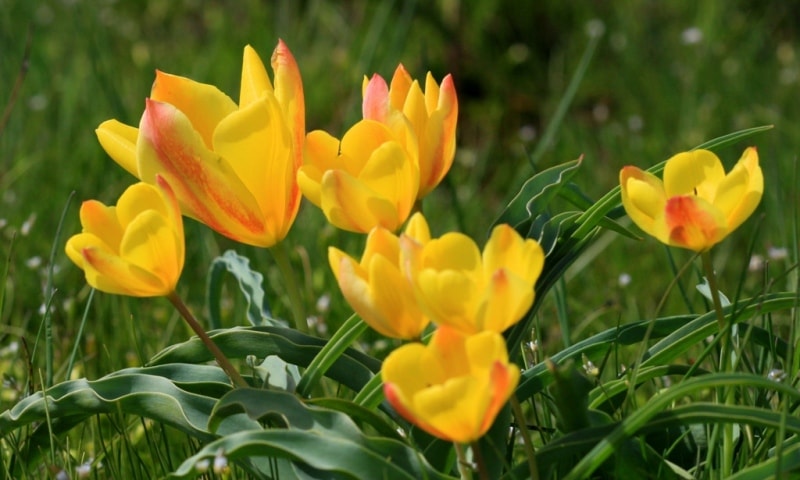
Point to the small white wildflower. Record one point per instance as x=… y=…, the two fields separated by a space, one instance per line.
x=776 y=375
x=220 y=462
x=635 y=123
x=756 y=263
x=527 y=133
x=3 y=222
x=777 y=253
x=600 y=112
x=251 y=361
x=62 y=475
x=323 y=303
x=202 y=465
x=624 y=279
x=591 y=369
x=692 y=36
x=37 y=103
x=27 y=225
x=34 y=262
x=83 y=470
x=595 y=28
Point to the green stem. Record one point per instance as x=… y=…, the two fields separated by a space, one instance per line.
x=477 y=453
x=222 y=360
x=530 y=452
x=281 y=256
x=464 y=468
x=725 y=363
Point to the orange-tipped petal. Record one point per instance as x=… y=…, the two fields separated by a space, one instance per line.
x=289 y=92
x=205 y=105
x=111 y=274
x=375 y=105
x=119 y=142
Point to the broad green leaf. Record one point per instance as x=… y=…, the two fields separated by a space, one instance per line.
x=250 y=283
x=352 y=368
x=140 y=392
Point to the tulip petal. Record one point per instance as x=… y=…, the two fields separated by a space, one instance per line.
x=259 y=148
x=506 y=249
x=401 y=84
x=693 y=223
x=102 y=221
x=697 y=172
x=289 y=92
x=119 y=142
x=740 y=192
x=643 y=197
x=208 y=187
x=375 y=105
x=205 y=105
x=321 y=153
x=150 y=243
x=504 y=302
x=255 y=80
x=350 y=205
x=417 y=228
x=109 y=273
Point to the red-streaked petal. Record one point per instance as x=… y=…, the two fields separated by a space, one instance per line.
x=205 y=105
x=111 y=274
x=204 y=183
x=693 y=223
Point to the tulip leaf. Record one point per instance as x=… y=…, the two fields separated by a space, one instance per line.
x=333 y=349
x=181 y=396
x=250 y=283
x=321 y=443
x=655 y=408
x=352 y=368
x=677 y=334
x=536 y=193
x=732 y=138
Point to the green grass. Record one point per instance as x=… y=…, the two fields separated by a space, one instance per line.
x=648 y=92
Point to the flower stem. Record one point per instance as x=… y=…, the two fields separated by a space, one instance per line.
x=477 y=453
x=222 y=360
x=464 y=467
x=281 y=256
x=725 y=362
x=530 y=452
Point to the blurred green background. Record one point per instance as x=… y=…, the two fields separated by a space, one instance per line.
x=664 y=77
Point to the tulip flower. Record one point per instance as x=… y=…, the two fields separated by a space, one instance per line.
x=233 y=167
x=452 y=388
x=696 y=205
x=459 y=286
x=369 y=179
x=431 y=116
x=376 y=288
x=135 y=248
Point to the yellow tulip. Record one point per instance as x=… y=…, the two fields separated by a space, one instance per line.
x=233 y=167
x=431 y=116
x=452 y=388
x=135 y=248
x=376 y=288
x=367 y=180
x=696 y=205
x=458 y=286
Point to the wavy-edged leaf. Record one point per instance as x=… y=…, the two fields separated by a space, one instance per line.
x=536 y=193
x=323 y=441
x=352 y=369
x=250 y=283
x=67 y=404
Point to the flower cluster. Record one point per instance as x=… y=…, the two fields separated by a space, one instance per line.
x=241 y=168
